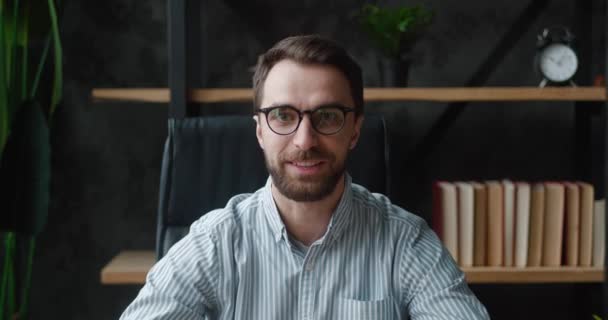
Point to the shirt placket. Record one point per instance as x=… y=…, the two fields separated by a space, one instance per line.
x=308 y=284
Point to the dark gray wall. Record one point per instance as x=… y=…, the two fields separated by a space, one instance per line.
x=106 y=156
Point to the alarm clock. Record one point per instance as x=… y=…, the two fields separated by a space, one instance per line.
x=556 y=59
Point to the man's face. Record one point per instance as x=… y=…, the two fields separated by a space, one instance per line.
x=306 y=165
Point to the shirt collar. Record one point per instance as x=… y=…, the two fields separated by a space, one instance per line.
x=271 y=212
x=339 y=221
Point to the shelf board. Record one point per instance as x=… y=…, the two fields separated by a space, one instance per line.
x=131 y=267
x=560 y=274
x=449 y=94
x=128 y=267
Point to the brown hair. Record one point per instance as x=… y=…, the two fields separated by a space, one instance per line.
x=310 y=49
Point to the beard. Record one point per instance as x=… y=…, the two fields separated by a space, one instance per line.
x=305 y=189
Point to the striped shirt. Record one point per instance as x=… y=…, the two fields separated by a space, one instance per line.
x=375 y=261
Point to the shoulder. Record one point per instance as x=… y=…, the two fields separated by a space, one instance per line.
x=418 y=251
x=415 y=241
x=379 y=207
x=239 y=208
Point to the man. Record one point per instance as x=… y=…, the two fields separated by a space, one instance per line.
x=310 y=244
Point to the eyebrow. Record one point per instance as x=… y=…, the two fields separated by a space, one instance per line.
x=325 y=105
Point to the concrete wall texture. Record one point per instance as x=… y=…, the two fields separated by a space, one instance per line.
x=106 y=156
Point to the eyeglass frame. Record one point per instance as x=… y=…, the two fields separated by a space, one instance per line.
x=267 y=110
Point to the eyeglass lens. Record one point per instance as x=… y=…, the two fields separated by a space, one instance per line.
x=285 y=120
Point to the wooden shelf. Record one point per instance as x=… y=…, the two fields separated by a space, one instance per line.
x=161 y=95
x=128 y=267
x=533 y=274
x=131 y=267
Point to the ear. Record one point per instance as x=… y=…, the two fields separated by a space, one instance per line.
x=356 y=132
x=258 y=131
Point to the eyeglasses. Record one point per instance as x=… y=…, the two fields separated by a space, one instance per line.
x=326 y=120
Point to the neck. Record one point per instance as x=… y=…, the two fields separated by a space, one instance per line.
x=307 y=221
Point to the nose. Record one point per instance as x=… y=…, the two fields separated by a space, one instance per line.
x=305 y=137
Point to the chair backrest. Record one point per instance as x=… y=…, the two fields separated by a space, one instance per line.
x=208 y=160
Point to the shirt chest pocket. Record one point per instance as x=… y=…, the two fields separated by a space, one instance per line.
x=359 y=310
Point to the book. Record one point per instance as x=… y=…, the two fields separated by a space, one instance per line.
x=481 y=224
x=509 y=221
x=586 y=224
x=465 y=223
x=554 y=224
x=495 y=223
x=571 y=224
x=522 y=223
x=445 y=216
x=599 y=233
x=537 y=226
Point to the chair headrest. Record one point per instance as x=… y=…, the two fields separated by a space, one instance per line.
x=211 y=159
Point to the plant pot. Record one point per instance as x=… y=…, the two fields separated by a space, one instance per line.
x=393 y=72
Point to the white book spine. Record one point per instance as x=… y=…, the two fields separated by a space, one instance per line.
x=522 y=229
x=599 y=233
x=450 y=218
x=466 y=204
x=509 y=216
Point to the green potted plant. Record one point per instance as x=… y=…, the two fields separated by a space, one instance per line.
x=394 y=31
x=30 y=90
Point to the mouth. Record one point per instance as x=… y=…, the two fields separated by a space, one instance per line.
x=306 y=163
x=307 y=167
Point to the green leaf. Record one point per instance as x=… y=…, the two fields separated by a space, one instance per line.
x=8 y=238
x=23 y=43
x=25 y=172
x=23 y=26
x=57 y=90
x=13 y=54
x=8 y=43
x=10 y=304
x=4 y=108
x=389 y=27
x=39 y=20
x=13 y=30
x=28 y=277
x=7 y=272
x=402 y=26
x=41 y=63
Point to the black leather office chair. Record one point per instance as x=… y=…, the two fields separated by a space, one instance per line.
x=208 y=160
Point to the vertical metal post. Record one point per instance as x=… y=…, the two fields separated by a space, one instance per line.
x=585 y=30
x=178 y=76
x=195 y=60
x=178 y=103
x=604 y=116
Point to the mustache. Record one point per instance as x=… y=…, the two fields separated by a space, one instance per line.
x=311 y=154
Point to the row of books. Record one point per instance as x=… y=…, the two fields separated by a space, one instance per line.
x=520 y=224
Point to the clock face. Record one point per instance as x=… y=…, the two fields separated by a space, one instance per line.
x=558 y=62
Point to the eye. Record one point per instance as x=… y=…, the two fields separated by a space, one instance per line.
x=328 y=116
x=282 y=115
x=328 y=120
